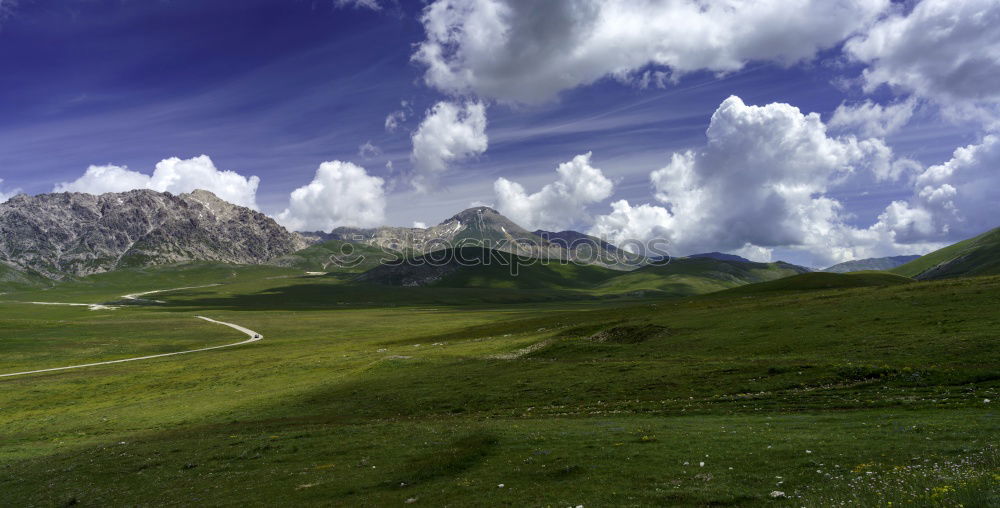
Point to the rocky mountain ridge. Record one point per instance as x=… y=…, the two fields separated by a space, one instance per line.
x=74 y=234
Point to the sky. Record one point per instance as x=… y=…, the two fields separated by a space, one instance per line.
x=812 y=131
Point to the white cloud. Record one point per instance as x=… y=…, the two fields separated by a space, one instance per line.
x=396 y=118
x=955 y=199
x=758 y=183
x=366 y=4
x=369 y=150
x=341 y=194
x=947 y=51
x=527 y=52
x=449 y=133
x=754 y=253
x=420 y=225
x=5 y=195
x=170 y=175
x=870 y=119
x=627 y=223
x=557 y=205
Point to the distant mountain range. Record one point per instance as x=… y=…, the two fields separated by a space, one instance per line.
x=475 y=226
x=67 y=235
x=484 y=226
x=860 y=265
x=72 y=234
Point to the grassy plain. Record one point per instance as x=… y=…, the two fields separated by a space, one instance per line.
x=369 y=395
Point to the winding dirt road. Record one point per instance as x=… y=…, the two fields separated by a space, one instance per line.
x=254 y=337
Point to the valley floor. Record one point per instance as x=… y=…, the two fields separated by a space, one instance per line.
x=385 y=396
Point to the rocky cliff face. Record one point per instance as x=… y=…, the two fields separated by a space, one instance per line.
x=80 y=234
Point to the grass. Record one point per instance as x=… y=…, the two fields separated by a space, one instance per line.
x=694 y=276
x=976 y=256
x=476 y=267
x=823 y=280
x=372 y=395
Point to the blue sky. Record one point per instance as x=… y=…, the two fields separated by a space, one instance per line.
x=274 y=88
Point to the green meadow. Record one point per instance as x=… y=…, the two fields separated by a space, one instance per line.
x=861 y=389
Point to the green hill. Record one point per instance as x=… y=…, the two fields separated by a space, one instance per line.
x=478 y=267
x=972 y=257
x=12 y=279
x=823 y=280
x=475 y=267
x=691 y=276
x=335 y=256
x=861 y=265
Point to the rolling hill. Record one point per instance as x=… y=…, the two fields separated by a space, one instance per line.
x=475 y=267
x=336 y=256
x=691 y=276
x=860 y=265
x=976 y=256
x=12 y=279
x=478 y=267
x=720 y=256
x=822 y=280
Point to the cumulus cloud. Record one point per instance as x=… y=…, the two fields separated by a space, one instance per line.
x=173 y=175
x=944 y=50
x=5 y=195
x=449 y=133
x=955 y=199
x=870 y=119
x=527 y=52
x=557 y=205
x=760 y=182
x=627 y=223
x=341 y=194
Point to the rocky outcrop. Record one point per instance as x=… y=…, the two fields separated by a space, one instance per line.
x=81 y=234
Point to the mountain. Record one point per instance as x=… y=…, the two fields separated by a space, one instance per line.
x=860 y=265
x=73 y=234
x=571 y=240
x=593 y=250
x=975 y=256
x=482 y=226
x=720 y=256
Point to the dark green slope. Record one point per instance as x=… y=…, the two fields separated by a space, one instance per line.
x=692 y=276
x=861 y=265
x=12 y=279
x=477 y=267
x=823 y=280
x=335 y=256
x=968 y=258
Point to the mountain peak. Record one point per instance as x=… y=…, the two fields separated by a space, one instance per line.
x=474 y=214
